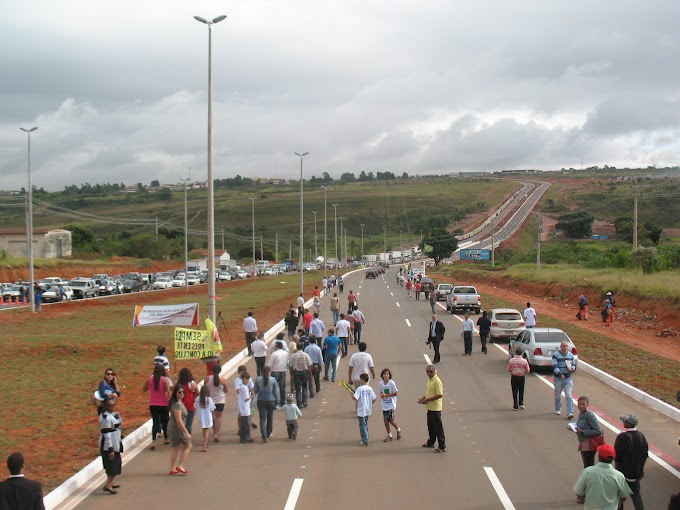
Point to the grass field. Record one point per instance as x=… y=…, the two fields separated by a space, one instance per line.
x=53 y=362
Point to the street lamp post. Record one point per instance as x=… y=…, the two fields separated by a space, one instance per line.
x=29 y=225
x=341 y=231
x=335 y=207
x=211 y=191
x=400 y=247
x=253 y=215
x=186 y=233
x=316 y=251
x=362 y=242
x=302 y=195
x=385 y=239
x=325 y=237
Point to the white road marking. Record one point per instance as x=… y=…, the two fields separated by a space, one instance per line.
x=498 y=487
x=391 y=294
x=294 y=494
x=408 y=323
x=398 y=304
x=427 y=359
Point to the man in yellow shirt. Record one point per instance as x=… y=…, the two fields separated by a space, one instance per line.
x=434 y=392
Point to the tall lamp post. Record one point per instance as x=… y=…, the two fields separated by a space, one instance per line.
x=362 y=242
x=385 y=238
x=325 y=237
x=211 y=191
x=186 y=233
x=302 y=195
x=335 y=207
x=341 y=231
x=253 y=202
x=316 y=251
x=29 y=226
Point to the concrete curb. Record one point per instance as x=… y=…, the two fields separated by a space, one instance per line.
x=631 y=391
x=59 y=494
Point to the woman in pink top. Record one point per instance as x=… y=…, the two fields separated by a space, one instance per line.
x=351 y=301
x=159 y=394
x=350 y=318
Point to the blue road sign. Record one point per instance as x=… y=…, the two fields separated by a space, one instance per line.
x=475 y=254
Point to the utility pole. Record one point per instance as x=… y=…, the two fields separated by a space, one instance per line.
x=493 y=245
x=385 y=239
x=538 y=242
x=635 y=218
x=362 y=242
x=222 y=239
x=261 y=250
x=341 y=257
x=290 y=249
x=346 y=257
x=316 y=251
x=277 y=247
x=156 y=228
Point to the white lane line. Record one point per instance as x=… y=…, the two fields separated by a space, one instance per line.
x=408 y=323
x=427 y=359
x=398 y=304
x=498 y=487
x=616 y=431
x=294 y=494
x=391 y=294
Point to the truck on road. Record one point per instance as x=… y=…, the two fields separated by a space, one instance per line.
x=464 y=297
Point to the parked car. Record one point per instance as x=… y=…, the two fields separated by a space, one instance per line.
x=224 y=276
x=132 y=285
x=11 y=293
x=464 y=297
x=506 y=323
x=371 y=273
x=242 y=274
x=54 y=280
x=443 y=290
x=107 y=287
x=162 y=282
x=539 y=344
x=193 y=279
x=179 y=281
x=84 y=288
x=54 y=295
x=99 y=277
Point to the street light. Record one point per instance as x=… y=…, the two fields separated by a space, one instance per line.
x=253 y=201
x=29 y=226
x=362 y=241
x=335 y=206
x=316 y=251
x=385 y=239
x=211 y=192
x=400 y=240
x=325 y=237
x=341 y=231
x=186 y=234
x=302 y=195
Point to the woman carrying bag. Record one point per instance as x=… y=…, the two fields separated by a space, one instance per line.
x=588 y=431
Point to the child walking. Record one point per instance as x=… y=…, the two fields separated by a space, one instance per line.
x=388 y=392
x=244 y=395
x=364 y=396
x=205 y=406
x=292 y=413
x=237 y=384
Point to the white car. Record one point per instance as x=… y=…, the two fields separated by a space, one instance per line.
x=506 y=323
x=53 y=295
x=539 y=344
x=224 y=276
x=242 y=274
x=270 y=271
x=162 y=282
x=179 y=281
x=193 y=279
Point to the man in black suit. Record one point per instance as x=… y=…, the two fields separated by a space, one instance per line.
x=435 y=334
x=18 y=492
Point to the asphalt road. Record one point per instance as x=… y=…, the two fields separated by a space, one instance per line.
x=496 y=458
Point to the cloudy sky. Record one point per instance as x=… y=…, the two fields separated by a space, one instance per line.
x=119 y=89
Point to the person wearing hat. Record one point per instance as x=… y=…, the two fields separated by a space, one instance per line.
x=292 y=412
x=631 y=454
x=601 y=487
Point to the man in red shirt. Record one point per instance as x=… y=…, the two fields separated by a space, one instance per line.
x=308 y=317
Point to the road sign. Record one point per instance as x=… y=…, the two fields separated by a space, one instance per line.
x=475 y=254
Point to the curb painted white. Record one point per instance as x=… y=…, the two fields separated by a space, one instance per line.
x=59 y=494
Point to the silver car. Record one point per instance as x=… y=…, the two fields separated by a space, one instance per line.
x=506 y=323
x=539 y=344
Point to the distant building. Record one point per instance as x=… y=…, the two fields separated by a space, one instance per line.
x=47 y=243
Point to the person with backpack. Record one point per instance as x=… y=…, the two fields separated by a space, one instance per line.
x=632 y=451
x=612 y=305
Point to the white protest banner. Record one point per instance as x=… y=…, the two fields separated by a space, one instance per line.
x=193 y=344
x=166 y=315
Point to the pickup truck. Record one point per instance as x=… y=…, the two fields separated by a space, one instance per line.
x=443 y=290
x=464 y=297
x=84 y=288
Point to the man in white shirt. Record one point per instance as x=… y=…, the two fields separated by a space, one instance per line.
x=250 y=329
x=278 y=362
x=343 y=333
x=317 y=327
x=466 y=332
x=301 y=307
x=259 y=352
x=314 y=352
x=360 y=363
x=529 y=316
x=359 y=321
